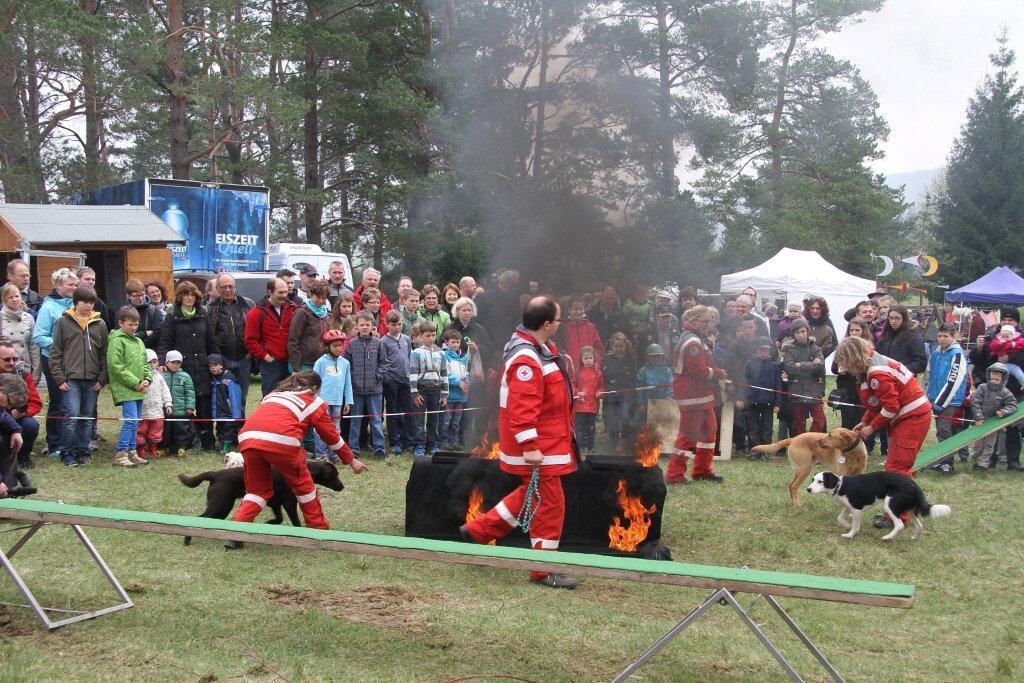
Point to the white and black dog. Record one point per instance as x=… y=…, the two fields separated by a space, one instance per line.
x=898 y=494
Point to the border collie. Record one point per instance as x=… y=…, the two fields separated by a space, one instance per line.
x=898 y=494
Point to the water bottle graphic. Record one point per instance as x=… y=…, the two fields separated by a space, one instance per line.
x=176 y=219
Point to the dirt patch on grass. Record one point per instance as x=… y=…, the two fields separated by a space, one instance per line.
x=615 y=595
x=11 y=627
x=385 y=606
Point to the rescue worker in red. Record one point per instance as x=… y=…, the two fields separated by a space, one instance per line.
x=694 y=388
x=894 y=401
x=535 y=430
x=273 y=434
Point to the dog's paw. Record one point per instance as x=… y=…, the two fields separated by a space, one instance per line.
x=849 y=535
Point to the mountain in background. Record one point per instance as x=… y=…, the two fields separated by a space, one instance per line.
x=915 y=183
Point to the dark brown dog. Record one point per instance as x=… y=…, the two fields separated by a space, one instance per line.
x=841 y=450
x=228 y=485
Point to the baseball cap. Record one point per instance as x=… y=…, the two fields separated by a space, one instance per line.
x=173 y=356
x=215 y=359
x=308 y=270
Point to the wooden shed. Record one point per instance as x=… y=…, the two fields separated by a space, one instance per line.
x=118 y=242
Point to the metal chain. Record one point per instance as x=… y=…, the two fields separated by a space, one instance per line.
x=528 y=510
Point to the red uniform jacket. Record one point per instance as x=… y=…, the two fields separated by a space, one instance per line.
x=694 y=384
x=589 y=383
x=535 y=409
x=574 y=335
x=283 y=418
x=385 y=303
x=891 y=393
x=267 y=332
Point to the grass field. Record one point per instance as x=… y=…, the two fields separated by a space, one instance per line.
x=272 y=613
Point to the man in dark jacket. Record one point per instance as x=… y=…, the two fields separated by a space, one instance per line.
x=804 y=364
x=18 y=275
x=605 y=314
x=498 y=309
x=227 y=316
x=150 y=317
x=736 y=356
x=87 y=278
x=757 y=394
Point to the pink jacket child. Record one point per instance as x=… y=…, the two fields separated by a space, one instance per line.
x=1008 y=340
x=574 y=334
x=589 y=383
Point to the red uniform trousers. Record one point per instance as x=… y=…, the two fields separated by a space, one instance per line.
x=259 y=485
x=698 y=431
x=151 y=431
x=800 y=413
x=546 y=526
x=905 y=439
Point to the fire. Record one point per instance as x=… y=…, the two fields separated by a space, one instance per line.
x=648 y=448
x=475 y=508
x=638 y=517
x=488 y=450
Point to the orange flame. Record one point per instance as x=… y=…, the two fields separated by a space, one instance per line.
x=648 y=448
x=487 y=449
x=629 y=538
x=475 y=508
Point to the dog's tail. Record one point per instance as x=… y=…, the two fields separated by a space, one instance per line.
x=194 y=481
x=772 y=447
x=924 y=508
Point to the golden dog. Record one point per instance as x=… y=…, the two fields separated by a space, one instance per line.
x=842 y=451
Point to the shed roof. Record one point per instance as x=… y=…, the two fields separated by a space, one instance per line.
x=41 y=224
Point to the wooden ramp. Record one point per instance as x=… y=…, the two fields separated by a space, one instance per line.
x=724 y=581
x=941 y=449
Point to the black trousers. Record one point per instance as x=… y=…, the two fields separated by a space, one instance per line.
x=757 y=421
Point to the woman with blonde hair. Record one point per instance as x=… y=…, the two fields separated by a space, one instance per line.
x=16 y=327
x=894 y=402
x=65 y=282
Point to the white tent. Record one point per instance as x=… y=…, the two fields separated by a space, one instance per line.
x=794 y=274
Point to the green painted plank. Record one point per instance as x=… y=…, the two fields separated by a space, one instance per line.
x=941 y=449
x=790 y=580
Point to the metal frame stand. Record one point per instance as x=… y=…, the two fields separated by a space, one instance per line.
x=33 y=603
x=724 y=597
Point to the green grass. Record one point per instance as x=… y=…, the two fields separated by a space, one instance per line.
x=269 y=613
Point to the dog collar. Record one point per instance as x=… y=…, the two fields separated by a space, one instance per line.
x=853 y=445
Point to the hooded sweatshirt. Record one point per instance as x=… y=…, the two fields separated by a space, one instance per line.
x=49 y=313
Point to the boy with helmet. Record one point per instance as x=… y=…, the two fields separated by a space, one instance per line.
x=336 y=384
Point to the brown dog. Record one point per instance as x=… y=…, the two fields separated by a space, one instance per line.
x=842 y=451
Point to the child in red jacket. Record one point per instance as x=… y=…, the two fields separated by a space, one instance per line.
x=578 y=333
x=1008 y=340
x=589 y=383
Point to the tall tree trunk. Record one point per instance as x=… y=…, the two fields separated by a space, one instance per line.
x=313 y=175
x=21 y=178
x=378 y=230
x=180 y=165
x=90 y=89
x=775 y=133
x=233 y=111
x=666 y=136
x=542 y=82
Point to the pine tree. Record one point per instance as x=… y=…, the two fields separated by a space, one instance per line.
x=982 y=212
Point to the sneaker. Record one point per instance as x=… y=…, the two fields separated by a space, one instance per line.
x=557 y=581
x=1014 y=467
x=944 y=468
x=379 y=454
x=882 y=522
x=709 y=477
x=233 y=545
x=418 y=452
x=121 y=459
x=83 y=459
x=92 y=446
x=396 y=450
x=979 y=468
x=435 y=451
x=136 y=458
x=69 y=461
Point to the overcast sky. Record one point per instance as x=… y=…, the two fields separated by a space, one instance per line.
x=925 y=59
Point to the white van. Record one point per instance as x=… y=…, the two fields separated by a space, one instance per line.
x=294 y=256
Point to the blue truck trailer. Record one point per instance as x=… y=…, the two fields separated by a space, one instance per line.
x=224 y=226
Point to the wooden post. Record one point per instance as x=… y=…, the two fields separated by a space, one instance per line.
x=725 y=429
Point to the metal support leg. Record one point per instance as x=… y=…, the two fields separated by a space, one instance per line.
x=725 y=597
x=804 y=639
x=33 y=603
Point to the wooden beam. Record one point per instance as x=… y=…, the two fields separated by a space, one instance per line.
x=436 y=556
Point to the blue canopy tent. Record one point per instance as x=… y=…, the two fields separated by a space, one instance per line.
x=1000 y=286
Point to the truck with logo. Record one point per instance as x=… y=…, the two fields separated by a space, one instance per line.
x=225 y=227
